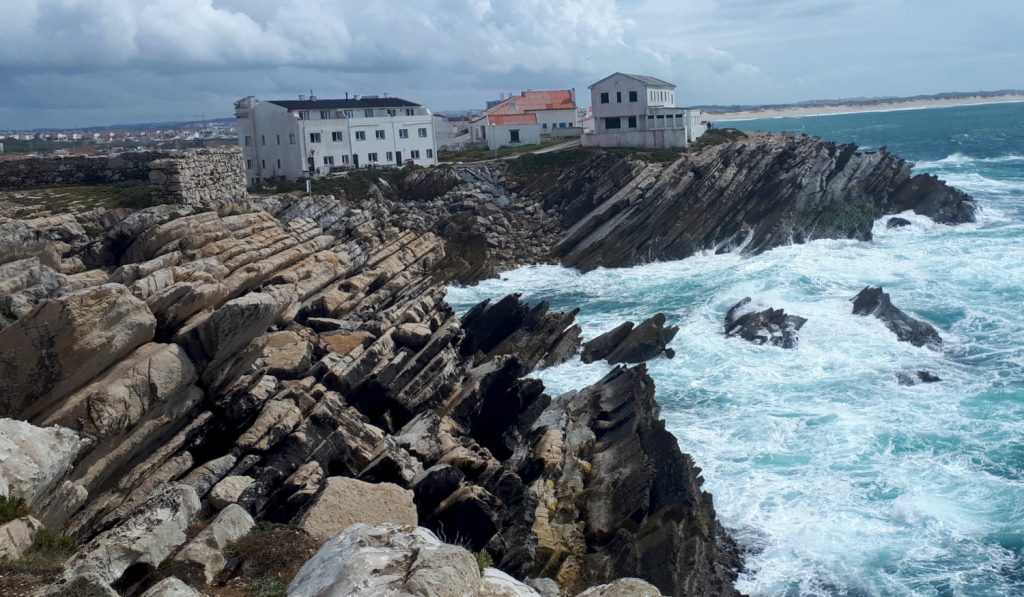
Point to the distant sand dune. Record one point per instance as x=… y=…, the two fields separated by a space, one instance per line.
x=882 y=106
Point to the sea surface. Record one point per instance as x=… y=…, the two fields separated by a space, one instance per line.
x=837 y=479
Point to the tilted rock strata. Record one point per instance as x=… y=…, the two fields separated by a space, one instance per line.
x=873 y=301
x=768 y=326
x=630 y=343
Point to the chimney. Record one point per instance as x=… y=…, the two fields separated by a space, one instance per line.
x=346 y=95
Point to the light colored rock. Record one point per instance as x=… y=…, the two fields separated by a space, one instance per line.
x=277 y=419
x=226 y=492
x=371 y=561
x=17 y=536
x=171 y=587
x=545 y=586
x=345 y=501
x=496 y=583
x=413 y=335
x=65 y=342
x=34 y=459
x=147 y=536
x=345 y=343
x=287 y=355
x=206 y=551
x=624 y=587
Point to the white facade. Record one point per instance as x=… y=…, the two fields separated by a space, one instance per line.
x=639 y=111
x=511 y=135
x=289 y=139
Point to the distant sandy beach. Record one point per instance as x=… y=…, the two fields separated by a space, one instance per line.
x=855 y=108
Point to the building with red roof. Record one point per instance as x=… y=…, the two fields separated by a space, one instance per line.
x=544 y=110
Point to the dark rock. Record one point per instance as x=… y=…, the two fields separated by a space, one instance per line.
x=872 y=301
x=535 y=336
x=906 y=378
x=628 y=344
x=896 y=222
x=770 y=326
x=433 y=486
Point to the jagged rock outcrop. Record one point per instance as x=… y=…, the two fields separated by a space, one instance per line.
x=33 y=460
x=755 y=194
x=768 y=326
x=630 y=343
x=873 y=301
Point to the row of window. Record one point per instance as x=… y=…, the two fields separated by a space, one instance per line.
x=616 y=123
x=558 y=125
x=337 y=136
x=371 y=158
x=618 y=97
x=368 y=113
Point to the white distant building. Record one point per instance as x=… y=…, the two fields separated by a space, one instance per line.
x=523 y=119
x=309 y=137
x=639 y=111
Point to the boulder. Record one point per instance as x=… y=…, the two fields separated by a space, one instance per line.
x=897 y=222
x=769 y=326
x=629 y=344
x=413 y=335
x=873 y=301
x=205 y=553
x=17 y=535
x=227 y=491
x=624 y=587
x=34 y=459
x=65 y=342
x=141 y=542
x=369 y=561
x=170 y=587
x=345 y=501
x=287 y=355
x=345 y=342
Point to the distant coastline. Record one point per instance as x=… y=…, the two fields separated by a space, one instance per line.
x=712 y=114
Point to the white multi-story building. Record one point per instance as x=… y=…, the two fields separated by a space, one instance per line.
x=308 y=137
x=640 y=111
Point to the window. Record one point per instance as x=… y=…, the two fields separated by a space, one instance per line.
x=403 y=133
x=325 y=114
x=422 y=132
x=392 y=112
x=563 y=125
x=314 y=137
x=263 y=164
x=248 y=140
x=414 y=154
x=618 y=97
x=278 y=139
x=632 y=96
x=371 y=157
x=344 y=159
x=248 y=164
x=304 y=115
x=291 y=138
x=278 y=163
x=604 y=98
x=328 y=160
x=430 y=153
x=360 y=135
x=379 y=134
x=631 y=122
x=368 y=112
x=309 y=164
x=336 y=136
x=348 y=113
x=612 y=123
x=390 y=156
x=544 y=126
x=263 y=139
x=410 y=112
x=513 y=135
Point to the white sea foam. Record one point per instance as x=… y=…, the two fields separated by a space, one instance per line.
x=960 y=160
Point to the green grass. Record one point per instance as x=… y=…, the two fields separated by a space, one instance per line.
x=47 y=555
x=482 y=153
x=12 y=508
x=131 y=194
x=483 y=559
x=717 y=137
x=268 y=587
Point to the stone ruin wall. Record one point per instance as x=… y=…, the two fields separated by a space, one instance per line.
x=196 y=176
x=187 y=176
x=33 y=173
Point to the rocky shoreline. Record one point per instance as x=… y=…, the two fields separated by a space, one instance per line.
x=177 y=380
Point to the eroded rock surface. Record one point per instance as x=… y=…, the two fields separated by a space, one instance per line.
x=630 y=343
x=768 y=326
x=873 y=301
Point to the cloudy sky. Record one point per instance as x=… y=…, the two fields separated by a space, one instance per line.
x=91 y=62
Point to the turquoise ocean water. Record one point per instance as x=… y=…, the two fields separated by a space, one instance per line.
x=837 y=479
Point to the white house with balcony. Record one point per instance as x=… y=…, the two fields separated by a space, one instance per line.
x=639 y=111
x=310 y=137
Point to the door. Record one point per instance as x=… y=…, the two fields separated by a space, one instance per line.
x=355 y=160
x=398 y=158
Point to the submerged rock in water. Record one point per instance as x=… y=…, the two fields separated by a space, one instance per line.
x=770 y=326
x=629 y=344
x=907 y=378
x=873 y=301
x=897 y=222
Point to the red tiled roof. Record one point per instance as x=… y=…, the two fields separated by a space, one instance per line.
x=535 y=100
x=501 y=119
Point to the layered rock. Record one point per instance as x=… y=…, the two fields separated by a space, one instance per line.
x=873 y=301
x=631 y=343
x=753 y=194
x=768 y=326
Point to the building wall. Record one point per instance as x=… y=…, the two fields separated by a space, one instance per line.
x=618 y=87
x=196 y=176
x=501 y=135
x=78 y=170
x=554 y=118
x=666 y=139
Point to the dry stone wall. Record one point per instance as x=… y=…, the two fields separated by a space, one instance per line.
x=76 y=170
x=195 y=176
